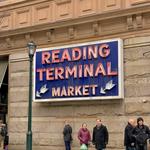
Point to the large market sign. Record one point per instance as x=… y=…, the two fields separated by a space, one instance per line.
x=85 y=71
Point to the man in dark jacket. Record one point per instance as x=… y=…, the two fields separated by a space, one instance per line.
x=142 y=134
x=67 y=132
x=100 y=135
x=129 y=140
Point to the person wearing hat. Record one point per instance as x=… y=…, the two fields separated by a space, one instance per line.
x=141 y=134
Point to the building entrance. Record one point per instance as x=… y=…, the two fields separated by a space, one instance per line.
x=3 y=88
x=4 y=101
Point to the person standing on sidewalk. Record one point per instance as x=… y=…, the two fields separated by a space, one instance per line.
x=84 y=135
x=129 y=140
x=2 y=134
x=100 y=135
x=67 y=133
x=142 y=134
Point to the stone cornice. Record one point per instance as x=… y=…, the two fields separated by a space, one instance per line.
x=9 y=5
x=76 y=21
x=118 y=23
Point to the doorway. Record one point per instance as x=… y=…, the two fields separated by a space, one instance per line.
x=3 y=89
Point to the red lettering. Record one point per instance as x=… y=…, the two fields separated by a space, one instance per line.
x=109 y=72
x=49 y=74
x=104 y=50
x=71 y=72
x=59 y=73
x=80 y=71
x=84 y=53
x=100 y=70
x=40 y=71
x=55 y=56
x=45 y=58
x=92 y=52
x=88 y=70
x=76 y=54
x=65 y=56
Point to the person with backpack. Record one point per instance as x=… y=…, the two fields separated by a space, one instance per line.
x=141 y=134
x=129 y=140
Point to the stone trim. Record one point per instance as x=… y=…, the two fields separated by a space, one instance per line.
x=36 y=13
x=111 y=24
x=137 y=41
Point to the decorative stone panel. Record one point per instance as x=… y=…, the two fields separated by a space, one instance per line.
x=63 y=9
x=6 y=21
x=119 y=25
x=107 y=5
x=85 y=7
x=146 y=19
x=130 y=3
x=8 y=2
x=137 y=2
x=23 y=17
x=86 y=30
x=130 y=23
x=42 y=13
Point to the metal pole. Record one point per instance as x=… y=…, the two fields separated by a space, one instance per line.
x=29 y=133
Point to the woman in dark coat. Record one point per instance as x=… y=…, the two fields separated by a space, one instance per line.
x=100 y=136
x=67 y=132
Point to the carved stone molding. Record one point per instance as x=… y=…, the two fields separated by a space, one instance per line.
x=49 y=35
x=32 y=13
x=71 y=32
x=130 y=22
x=139 y=2
x=96 y=28
x=68 y=30
x=62 y=1
x=28 y=37
x=139 y=20
x=8 y=42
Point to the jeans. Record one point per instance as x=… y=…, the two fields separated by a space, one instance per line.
x=67 y=145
